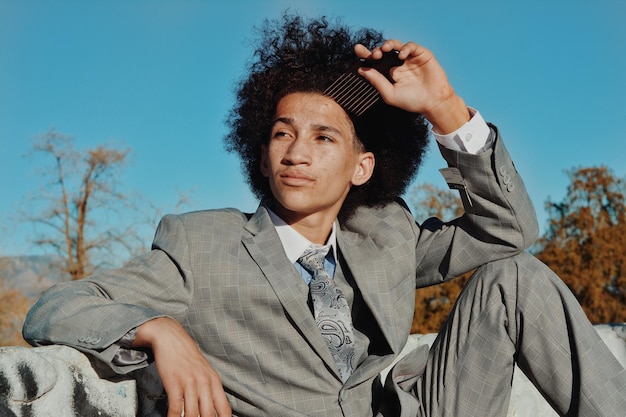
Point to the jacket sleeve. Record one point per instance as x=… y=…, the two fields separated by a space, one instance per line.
x=95 y=313
x=499 y=219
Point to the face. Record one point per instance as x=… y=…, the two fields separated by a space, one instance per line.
x=312 y=157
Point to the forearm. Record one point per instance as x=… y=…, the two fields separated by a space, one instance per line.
x=448 y=115
x=499 y=219
x=498 y=209
x=77 y=313
x=151 y=332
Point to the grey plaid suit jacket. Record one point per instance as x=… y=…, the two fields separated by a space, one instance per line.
x=224 y=275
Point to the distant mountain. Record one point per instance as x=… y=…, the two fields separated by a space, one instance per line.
x=30 y=274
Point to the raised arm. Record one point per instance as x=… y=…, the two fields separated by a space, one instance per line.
x=499 y=218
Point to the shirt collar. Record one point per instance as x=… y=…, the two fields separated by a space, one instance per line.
x=294 y=243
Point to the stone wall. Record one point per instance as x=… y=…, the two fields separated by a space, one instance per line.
x=58 y=381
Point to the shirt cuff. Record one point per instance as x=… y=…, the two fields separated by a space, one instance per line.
x=472 y=137
x=125 y=355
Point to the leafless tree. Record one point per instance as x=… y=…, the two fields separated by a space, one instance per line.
x=82 y=215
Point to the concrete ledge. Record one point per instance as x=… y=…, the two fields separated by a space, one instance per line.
x=58 y=381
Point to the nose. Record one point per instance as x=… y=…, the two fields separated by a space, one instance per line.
x=297 y=152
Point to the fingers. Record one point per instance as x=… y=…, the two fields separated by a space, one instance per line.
x=212 y=398
x=191 y=383
x=202 y=397
x=175 y=403
x=221 y=405
x=361 y=51
x=406 y=50
x=419 y=84
x=379 y=81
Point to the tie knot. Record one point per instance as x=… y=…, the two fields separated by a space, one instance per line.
x=313 y=258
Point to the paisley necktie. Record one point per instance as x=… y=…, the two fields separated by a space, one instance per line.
x=331 y=311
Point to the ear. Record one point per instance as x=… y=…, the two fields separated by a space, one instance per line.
x=265 y=170
x=364 y=168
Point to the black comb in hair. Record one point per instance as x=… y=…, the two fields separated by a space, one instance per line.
x=353 y=92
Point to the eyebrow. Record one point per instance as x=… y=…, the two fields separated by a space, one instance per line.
x=285 y=120
x=318 y=127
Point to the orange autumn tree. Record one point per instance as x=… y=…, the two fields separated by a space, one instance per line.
x=585 y=243
x=13 y=308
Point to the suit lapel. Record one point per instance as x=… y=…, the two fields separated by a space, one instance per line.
x=363 y=264
x=265 y=248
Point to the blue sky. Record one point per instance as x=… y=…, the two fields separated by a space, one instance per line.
x=157 y=77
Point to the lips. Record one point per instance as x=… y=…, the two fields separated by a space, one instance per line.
x=295 y=178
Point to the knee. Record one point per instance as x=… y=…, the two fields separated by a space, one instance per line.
x=522 y=265
x=527 y=275
x=501 y=271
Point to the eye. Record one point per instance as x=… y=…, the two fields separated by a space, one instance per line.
x=324 y=138
x=280 y=134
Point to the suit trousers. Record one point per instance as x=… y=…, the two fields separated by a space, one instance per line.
x=515 y=310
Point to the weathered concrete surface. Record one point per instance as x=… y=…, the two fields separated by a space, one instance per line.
x=58 y=381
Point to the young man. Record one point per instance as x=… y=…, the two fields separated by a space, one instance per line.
x=233 y=306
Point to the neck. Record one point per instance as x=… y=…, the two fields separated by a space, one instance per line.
x=316 y=227
x=316 y=234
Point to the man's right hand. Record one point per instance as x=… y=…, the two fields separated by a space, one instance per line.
x=421 y=85
x=191 y=384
